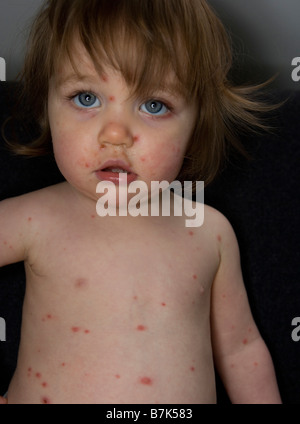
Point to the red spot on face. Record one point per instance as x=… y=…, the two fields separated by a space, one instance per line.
x=245 y=341
x=111 y=98
x=104 y=78
x=143 y=159
x=141 y=328
x=75 y=329
x=146 y=381
x=136 y=138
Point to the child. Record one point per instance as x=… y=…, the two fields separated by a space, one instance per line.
x=124 y=309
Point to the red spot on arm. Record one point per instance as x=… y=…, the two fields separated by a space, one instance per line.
x=146 y=381
x=141 y=328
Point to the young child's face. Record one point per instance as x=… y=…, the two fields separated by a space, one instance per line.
x=98 y=128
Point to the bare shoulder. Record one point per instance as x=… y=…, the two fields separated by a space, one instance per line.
x=20 y=217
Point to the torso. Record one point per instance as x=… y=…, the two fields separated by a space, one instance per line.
x=116 y=310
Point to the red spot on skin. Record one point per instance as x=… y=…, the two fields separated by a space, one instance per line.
x=219 y=238
x=63 y=364
x=245 y=341
x=192 y=369
x=75 y=329
x=44 y=384
x=117 y=376
x=81 y=282
x=255 y=364
x=45 y=400
x=87 y=165
x=5 y=242
x=143 y=159
x=135 y=297
x=49 y=316
x=191 y=233
x=232 y=366
x=38 y=375
x=111 y=98
x=195 y=277
x=136 y=138
x=104 y=78
x=29 y=219
x=146 y=381
x=87 y=331
x=163 y=304
x=141 y=328
x=93 y=216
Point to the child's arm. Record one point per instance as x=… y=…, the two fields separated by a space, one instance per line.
x=241 y=356
x=15 y=222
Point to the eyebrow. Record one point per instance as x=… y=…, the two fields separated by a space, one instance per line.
x=74 y=78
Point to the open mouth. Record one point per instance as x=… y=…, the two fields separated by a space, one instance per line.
x=117 y=172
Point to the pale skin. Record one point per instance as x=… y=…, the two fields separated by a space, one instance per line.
x=126 y=309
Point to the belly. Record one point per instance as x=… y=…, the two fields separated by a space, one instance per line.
x=106 y=365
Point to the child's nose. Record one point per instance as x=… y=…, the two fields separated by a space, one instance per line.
x=115 y=133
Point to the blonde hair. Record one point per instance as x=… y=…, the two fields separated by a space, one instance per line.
x=144 y=40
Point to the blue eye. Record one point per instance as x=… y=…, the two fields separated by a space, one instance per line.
x=86 y=100
x=154 y=107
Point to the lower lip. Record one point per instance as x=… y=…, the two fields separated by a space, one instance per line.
x=116 y=178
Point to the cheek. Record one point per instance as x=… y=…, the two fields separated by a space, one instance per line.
x=164 y=161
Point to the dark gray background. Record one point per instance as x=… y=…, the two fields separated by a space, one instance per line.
x=265 y=33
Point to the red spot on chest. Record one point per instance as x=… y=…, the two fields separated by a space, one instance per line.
x=146 y=381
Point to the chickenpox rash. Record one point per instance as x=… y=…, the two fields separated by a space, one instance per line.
x=45 y=400
x=192 y=369
x=29 y=219
x=141 y=328
x=81 y=283
x=117 y=376
x=191 y=233
x=78 y=329
x=163 y=304
x=146 y=381
x=219 y=238
x=245 y=341
x=136 y=138
x=195 y=277
x=111 y=98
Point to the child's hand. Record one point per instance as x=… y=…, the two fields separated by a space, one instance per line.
x=3 y=401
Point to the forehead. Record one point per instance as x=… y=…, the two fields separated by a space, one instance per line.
x=79 y=66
